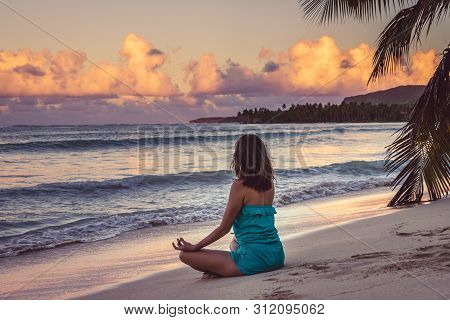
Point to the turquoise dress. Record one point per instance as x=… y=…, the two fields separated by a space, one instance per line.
x=260 y=248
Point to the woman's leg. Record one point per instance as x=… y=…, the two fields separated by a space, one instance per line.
x=213 y=261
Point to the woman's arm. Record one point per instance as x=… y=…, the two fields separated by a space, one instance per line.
x=234 y=205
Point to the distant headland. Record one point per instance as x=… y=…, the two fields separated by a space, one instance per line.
x=392 y=105
x=216 y=120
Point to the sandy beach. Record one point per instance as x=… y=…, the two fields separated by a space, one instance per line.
x=403 y=255
x=357 y=249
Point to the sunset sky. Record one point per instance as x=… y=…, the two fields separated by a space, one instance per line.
x=172 y=61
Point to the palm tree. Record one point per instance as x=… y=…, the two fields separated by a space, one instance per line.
x=421 y=150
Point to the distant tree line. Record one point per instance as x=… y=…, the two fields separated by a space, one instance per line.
x=318 y=112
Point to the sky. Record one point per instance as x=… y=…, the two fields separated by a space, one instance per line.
x=99 y=62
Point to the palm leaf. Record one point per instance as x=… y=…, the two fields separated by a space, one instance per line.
x=405 y=29
x=326 y=11
x=422 y=149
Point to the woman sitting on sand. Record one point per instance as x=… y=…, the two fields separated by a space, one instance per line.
x=257 y=247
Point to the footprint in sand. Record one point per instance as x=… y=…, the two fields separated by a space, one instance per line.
x=281 y=295
x=207 y=276
x=271 y=279
x=371 y=255
x=315 y=267
x=426 y=233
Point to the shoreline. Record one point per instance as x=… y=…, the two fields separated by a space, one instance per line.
x=118 y=213
x=90 y=269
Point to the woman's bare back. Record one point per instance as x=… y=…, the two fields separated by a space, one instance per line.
x=253 y=197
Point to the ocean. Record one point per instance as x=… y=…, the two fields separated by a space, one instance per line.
x=67 y=184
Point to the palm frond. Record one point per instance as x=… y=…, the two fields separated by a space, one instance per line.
x=405 y=28
x=326 y=11
x=422 y=149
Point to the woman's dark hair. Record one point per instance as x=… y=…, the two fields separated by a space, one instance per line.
x=251 y=163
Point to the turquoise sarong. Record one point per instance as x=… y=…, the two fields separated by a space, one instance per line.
x=260 y=248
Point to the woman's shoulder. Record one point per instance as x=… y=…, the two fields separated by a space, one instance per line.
x=238 y=187
x=237 y=184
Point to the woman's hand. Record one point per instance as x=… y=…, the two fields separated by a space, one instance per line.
x=183 y=245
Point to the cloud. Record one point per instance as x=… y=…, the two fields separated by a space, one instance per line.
x=62 y=110
x=318 y=68
x=40 y=87
x=321 y=67
x=345 y=64
x=266 y=54
x=26 y=72
x=29 y=69
x=155 y=51
x=270 y=66
x=206 y=77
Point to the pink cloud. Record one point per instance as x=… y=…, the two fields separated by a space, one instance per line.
x=26 y=72
x=317 y=68
x=34 y=84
